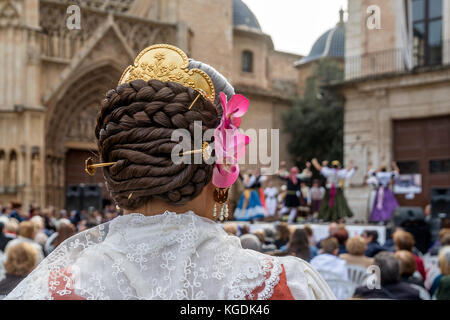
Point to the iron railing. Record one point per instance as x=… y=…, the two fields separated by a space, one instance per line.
x=390 y=62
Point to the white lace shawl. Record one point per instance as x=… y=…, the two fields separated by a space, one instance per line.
x=169 y=256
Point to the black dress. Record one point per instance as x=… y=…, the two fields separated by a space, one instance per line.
x=291 y=200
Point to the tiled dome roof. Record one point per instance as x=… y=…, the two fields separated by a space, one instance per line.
x=243 y=16
x=329 y=44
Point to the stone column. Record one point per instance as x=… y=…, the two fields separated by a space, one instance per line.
x=20 y=92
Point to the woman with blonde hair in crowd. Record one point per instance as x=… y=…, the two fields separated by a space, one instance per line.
x=356 y=247
x=12 y=227
x=40 y=237
x=27 y=233
x=231 y=228
x=22 y=258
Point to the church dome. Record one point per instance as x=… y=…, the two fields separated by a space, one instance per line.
x=244 y=17
x=329 y=44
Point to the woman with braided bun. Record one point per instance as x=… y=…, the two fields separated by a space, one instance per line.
x=168 y=245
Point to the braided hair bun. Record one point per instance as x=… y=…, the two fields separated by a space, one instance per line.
x=134 y=129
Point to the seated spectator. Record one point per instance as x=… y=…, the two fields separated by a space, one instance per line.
x=21 y=260
x=27 y=233
x=243 y=229
x=41 y=236
x=342 y=236
x=12 y=227
x=328 y=261
x=65 y=230
x=283 y=235
x=250 y=241
x=332 y=228
x=4 y=239
x=408 y=268
x=298 y=245
x=356 y=247
x=373 y=247
x=75 y=217
x=405 y=241
x=261 y=236
x=16 y=211
x=270 y=235
x=311 y=240
x=443 y=233
x=443 y=290
x=390 y=285
x=231 y=228
x=265 y=246
x=49 y=220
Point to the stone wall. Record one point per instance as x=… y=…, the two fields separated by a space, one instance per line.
x=257 y=44
x=372 y=106
x=51 y=77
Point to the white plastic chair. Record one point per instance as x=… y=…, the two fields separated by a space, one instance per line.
x=342 y=289
x=357 y=274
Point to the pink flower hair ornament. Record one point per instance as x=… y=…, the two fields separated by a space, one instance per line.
x=230 y=144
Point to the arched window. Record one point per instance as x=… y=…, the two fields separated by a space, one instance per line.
x=247 y=61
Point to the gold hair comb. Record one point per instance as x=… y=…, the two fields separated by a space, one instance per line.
x=168 y=63
x=91 y=167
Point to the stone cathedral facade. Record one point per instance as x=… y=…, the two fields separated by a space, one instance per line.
x=52 y=78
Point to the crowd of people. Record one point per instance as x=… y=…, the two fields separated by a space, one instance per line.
x=28 y=236
x=404 y=271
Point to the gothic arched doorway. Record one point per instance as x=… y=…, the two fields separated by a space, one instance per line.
x=70 y=139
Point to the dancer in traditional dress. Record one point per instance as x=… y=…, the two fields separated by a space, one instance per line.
x=334 y=206
x=168 y=245
x=249 y=207
x=316 y=194
x=292 y=200
x=385 y=203
x=373 y=184
x=271 y=194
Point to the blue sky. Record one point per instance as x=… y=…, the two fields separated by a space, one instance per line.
x=295 y=24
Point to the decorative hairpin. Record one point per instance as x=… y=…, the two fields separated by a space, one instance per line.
x=193 y=102
x=206 y=151
x=91 y=167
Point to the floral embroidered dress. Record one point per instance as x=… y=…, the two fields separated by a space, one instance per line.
x=168 y=256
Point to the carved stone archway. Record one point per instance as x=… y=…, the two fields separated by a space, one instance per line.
x=70 y=123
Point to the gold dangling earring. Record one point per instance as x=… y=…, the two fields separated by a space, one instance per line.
x=221 y=198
